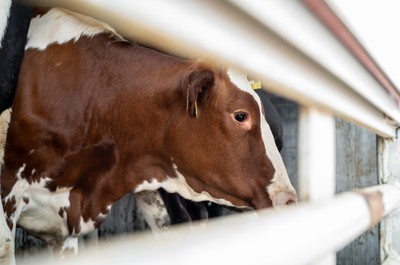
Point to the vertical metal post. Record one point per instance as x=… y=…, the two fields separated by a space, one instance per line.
x=316 y=160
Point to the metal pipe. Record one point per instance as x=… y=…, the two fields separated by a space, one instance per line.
x=220 y=31
x=294 y=235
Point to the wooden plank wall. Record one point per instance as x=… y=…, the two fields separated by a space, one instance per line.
x=356 y=168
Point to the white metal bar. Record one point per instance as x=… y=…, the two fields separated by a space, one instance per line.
x=293 y=22
x=316 y=155
x=375 y=34
x=219 y=30
x=316 y=161
x=295 y=235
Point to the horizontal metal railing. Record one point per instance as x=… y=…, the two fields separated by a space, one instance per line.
x=295 y=235
x=324 y=75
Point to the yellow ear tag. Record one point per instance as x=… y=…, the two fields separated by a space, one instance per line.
x=255 y=84
x=187 y=104
x=195 y=109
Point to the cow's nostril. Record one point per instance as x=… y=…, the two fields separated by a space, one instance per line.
x=284 y=198
x=291 y=201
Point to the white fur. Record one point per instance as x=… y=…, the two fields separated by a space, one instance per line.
x=5 y=6
x=180 y=186
x=86 y=227
x=60 y=26
x=280 y=184
x=69 y=243
x=20 y=170
x=41 y=203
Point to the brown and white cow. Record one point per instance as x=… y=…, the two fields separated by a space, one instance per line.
x=96 y=117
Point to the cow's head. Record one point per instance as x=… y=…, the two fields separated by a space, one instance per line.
x=222 y=147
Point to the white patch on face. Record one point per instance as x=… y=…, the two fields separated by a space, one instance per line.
x=60 y=26
x=5 y=6
x=280 y=187
x=180 y=186
x=4 y=122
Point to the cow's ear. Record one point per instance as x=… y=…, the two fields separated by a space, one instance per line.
x=198 y=82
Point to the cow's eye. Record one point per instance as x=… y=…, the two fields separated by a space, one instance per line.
x=242 y=119
x=241 y=116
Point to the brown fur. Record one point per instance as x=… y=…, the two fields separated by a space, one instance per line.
x=102 y=116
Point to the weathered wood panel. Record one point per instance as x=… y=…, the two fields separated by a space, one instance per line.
x=123 y=218
x=356 y=158
x=356 y=167
x=26 y=245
